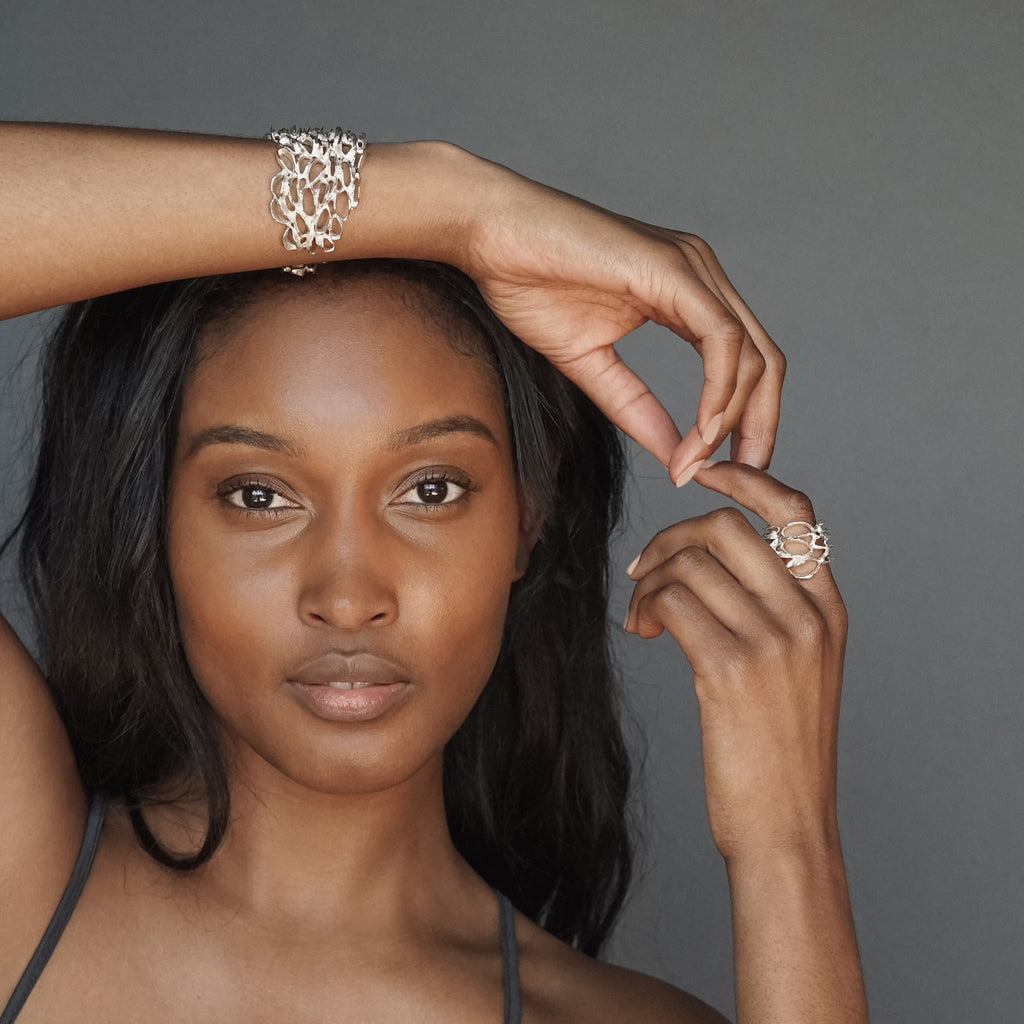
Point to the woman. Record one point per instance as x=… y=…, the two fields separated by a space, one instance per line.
x=345 y=504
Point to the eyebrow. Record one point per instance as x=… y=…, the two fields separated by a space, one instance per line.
x=439 y=428
x=234 y=434
x=252 y=438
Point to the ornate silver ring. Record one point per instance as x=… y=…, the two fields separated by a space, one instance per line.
x=804 y=547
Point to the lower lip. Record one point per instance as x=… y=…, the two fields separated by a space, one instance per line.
x=362 y=705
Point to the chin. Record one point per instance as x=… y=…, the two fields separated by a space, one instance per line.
x=340 y=761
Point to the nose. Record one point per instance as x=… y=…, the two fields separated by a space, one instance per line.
x=346 y=582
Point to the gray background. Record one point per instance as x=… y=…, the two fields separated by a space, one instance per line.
x=857 y=168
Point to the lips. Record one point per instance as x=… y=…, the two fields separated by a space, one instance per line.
x=348 y=671
x=350 y=687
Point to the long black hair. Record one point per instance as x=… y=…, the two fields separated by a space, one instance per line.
x=536 y=779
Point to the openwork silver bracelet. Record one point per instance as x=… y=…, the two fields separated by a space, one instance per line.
x=316 y=188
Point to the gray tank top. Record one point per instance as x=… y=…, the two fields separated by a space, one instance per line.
x=80 y=872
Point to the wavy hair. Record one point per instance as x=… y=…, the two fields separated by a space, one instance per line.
x=536 y=779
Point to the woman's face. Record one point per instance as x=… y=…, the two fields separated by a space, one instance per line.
x=344 y=524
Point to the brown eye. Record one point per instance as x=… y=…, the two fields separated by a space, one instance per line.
x=256 y=497
x=432 y=492
x=436 y=491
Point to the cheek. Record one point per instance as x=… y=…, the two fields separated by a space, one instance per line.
x=225 y=600
x=454 y=598
x=243 y=610
x=241 y=605
x=466 y=617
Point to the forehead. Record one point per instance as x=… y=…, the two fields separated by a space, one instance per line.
x=362 y=347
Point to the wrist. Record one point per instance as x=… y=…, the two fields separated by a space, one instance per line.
x=419 y=200
x=796 y=856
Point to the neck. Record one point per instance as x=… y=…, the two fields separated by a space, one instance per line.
x=374 y=861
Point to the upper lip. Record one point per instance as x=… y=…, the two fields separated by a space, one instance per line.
x=361 y=667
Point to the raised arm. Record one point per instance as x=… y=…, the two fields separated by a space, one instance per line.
x=127 y=207
x=123 y=208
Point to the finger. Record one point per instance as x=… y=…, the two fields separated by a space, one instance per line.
x=625 y=399
x=727 y=537
x=760 y=419
x=776 y=503
x=694 y=566
x=694 y=448
x=688 y=456
x=718 y=337
x=753 y=438
x=676 y=608
x=732 y=364
x=696 y=311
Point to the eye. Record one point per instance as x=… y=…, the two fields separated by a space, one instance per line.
x=254 y=496
x=438 y=490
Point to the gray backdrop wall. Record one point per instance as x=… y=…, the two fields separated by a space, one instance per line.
x=857 y=168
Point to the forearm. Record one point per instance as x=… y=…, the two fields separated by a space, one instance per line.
x=795 y=950
x=91 y=210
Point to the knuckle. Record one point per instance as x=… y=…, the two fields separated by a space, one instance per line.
x=776 y=362
x=750 y=373
x=689 y=558
x=727 y=520
x=661 y=546
x=730 y=330
x=670 y=598
x=760 y=440
x=807 y=625
x=799 y=507
x=693 y=241
x=754 y=363
x=662 y=539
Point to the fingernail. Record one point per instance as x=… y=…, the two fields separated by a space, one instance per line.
x=709 y=435
x=687 y=474
x=632 y=566
x=625 y=621
x=708 y=463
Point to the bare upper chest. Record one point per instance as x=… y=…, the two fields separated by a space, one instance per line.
x=135 y=950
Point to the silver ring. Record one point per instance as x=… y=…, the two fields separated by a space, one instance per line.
x=804 y=547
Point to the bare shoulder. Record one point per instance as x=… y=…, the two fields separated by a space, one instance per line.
x=42 y=805
x=561 y=984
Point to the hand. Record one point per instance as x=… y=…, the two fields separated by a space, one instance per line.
x=571 y=279
x=767 y=656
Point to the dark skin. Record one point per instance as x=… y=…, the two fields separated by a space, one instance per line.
x=570 y=280
x=337 y=888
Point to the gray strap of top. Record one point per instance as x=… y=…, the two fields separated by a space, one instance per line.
x=54 y=930
x=509 y=961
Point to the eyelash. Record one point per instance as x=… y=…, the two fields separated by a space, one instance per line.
x=440 y=476
x=230 y=487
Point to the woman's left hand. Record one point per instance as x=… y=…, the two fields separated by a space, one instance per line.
x=767 y=656
x=571 y=280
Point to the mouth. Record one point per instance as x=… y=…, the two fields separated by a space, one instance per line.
x=350 y=687
x=356 y=701
x=348 y=671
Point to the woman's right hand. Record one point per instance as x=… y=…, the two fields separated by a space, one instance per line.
x=134 y=207
x=571 y=280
